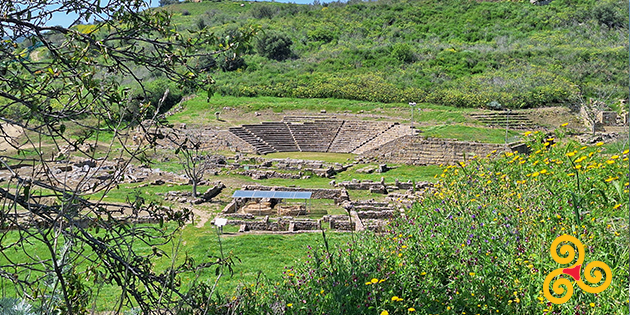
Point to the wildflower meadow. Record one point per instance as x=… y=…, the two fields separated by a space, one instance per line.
x=480 y=243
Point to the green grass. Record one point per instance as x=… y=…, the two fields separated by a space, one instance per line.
x=401 y=172
x=200 y=110
x=268 y=254
x=466 y=133
x=429 y=113
x=318 y=156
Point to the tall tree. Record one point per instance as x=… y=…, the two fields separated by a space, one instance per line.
x=55 y=232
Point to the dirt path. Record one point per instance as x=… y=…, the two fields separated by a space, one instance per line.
x=202 y=216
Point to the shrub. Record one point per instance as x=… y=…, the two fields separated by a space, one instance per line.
x=274 y=46
x=402 y=52
x=263 y=11
x=206 y=63
x=232 y=63
x=201 y=24
x=168 y=2
x=322 y=34
x=141 y=105
x=610 y=14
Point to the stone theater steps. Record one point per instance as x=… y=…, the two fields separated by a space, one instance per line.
x=354 y=134
x=320 y=135
x=393 y=133
x=276 y=134
x=315 y=136
x=259 y=145
x=512 y=120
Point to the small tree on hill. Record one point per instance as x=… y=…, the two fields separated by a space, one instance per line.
x=193 y=160
x=274 y=46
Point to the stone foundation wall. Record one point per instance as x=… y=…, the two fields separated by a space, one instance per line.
x=383 y=214
x=416 y=150
x=302 y=225
x=344 y=225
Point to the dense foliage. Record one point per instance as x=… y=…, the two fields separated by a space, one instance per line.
x=66 y=89
x=449 y=52
x=479 y=244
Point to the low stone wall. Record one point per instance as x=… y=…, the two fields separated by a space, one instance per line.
x=334 y=217
x=345 y=225
x=416 y=150
x=281 y=224
x=301 y=225
x=269 y=174
x=368 y=184
x=383 y=214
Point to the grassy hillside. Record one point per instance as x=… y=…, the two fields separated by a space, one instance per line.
x=449 y=52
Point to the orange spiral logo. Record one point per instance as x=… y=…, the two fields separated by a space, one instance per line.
x=592 y=272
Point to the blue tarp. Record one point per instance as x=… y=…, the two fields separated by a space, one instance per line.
x=272 y=194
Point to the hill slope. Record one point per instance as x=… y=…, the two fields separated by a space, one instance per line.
x=450 y=52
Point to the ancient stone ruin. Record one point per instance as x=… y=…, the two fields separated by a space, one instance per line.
x=320 y=135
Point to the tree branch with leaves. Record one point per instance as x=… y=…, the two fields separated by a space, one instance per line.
x=61 y=87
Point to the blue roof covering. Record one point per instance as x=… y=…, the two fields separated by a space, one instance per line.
x=272 y=194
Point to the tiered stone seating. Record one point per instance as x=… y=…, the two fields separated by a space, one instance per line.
x=513 y=120
x=276 y=134
x=260 y=146
x=353 y=134
x=315 y=136
x=320 y=135
x=306 y=118
x=388 y=135
x=414 y=150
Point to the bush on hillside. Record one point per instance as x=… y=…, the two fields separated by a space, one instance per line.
x=206 y=63
x=263 y=11
x=168 y=2
x=611 y=14
x=145 y=105
x=402 y=52
x=201 y=24
x=232 y=62
x=322 y=34
x=276 y=46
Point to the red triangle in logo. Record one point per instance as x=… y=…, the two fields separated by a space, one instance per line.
x=573 y=272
